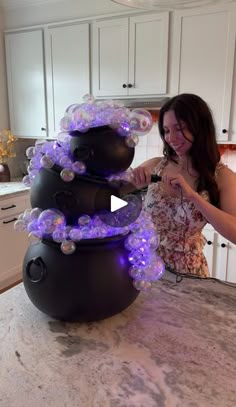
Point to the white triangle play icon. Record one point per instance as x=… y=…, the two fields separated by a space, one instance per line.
x=117 y=203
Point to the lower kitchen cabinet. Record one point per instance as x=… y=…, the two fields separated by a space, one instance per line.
x=220 y=255
x=210 y=250
x=13 y=244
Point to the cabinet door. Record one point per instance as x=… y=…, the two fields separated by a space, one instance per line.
x=209 y=250
x=204 y=46
x=231 y=263
x=13 y=246
x=68 y=70
x=221 y=256
x=110 y=57
x=148 y=54
x=26 y=83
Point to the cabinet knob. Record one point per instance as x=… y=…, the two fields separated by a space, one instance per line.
x=124 y=85
x=224 y=131
x=43 y=129
x=130 y=85
x=223 y=245
x=209 y=242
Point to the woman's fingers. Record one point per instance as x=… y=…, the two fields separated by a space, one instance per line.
x=142 y=176
x=171 y=181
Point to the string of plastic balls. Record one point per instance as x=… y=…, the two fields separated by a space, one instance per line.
x=142 y=240
x=91 y=113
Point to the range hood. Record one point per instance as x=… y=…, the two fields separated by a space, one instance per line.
x=152 y=104
x=148 y=103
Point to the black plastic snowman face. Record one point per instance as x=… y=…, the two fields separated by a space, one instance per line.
x=102 y=149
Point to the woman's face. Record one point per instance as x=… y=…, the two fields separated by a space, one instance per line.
x=176 y=134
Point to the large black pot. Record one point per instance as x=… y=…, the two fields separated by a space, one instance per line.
x=84 y=194
x=102 y=149
x=91 y=284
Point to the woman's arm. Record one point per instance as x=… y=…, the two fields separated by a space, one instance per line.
x=223 y=219
x=142 y=173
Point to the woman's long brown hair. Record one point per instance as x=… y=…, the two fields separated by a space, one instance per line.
x=204 y=153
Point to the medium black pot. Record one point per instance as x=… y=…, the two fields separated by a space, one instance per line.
x=102 y=149
x=82 y=195
x=91 y=284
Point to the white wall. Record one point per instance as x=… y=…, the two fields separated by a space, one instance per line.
x=60 y=10
x=149 y=146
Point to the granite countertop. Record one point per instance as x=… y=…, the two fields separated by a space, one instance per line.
x=173 y=347
x=8 y=189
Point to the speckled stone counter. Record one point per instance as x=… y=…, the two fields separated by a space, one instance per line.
x=8 y=189
x=173 y=347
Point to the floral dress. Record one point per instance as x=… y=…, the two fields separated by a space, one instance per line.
x=179 y=225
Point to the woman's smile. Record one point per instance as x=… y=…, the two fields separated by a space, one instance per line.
x=176 y=133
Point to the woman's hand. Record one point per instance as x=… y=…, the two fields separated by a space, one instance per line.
x=141 y=176
x=177 y=181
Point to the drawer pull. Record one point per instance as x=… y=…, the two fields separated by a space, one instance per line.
x=223 y=245
x=9 y=221
x=8 y=207
x=209 y=242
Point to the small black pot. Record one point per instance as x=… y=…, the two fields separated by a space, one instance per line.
x=91 y=284
x=102 y=149
x=82 y=195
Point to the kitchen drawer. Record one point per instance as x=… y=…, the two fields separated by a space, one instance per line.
x=14 y=205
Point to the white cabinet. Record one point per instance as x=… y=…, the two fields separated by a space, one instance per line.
x=13 y=245
x=226 y=257
x=210 y=250
x=203 y=59
x=220 y=255
x=130 y=55
x=231 y=263
x=67 y=68
x=26 y=83
x=47 y=70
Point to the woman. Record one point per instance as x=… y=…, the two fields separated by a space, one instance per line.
x=195 y=186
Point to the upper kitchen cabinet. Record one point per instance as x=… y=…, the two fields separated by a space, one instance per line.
x=68 y=70
x=26 y=83
x=130 y=55
x=203 y=60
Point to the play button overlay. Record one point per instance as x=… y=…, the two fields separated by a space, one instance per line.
x=117 y=203
x=124 y=208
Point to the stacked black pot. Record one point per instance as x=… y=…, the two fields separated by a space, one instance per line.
x=93 y=282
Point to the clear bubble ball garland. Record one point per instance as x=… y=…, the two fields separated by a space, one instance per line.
x=81 y=117
x=142 y=239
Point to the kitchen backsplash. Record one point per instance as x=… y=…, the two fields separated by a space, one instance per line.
x=151 y=146
x=229 y=158
x=17 y=165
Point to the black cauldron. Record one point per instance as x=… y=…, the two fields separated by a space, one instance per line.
x=85 y=194
x=91 y=284
x=102 y=149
